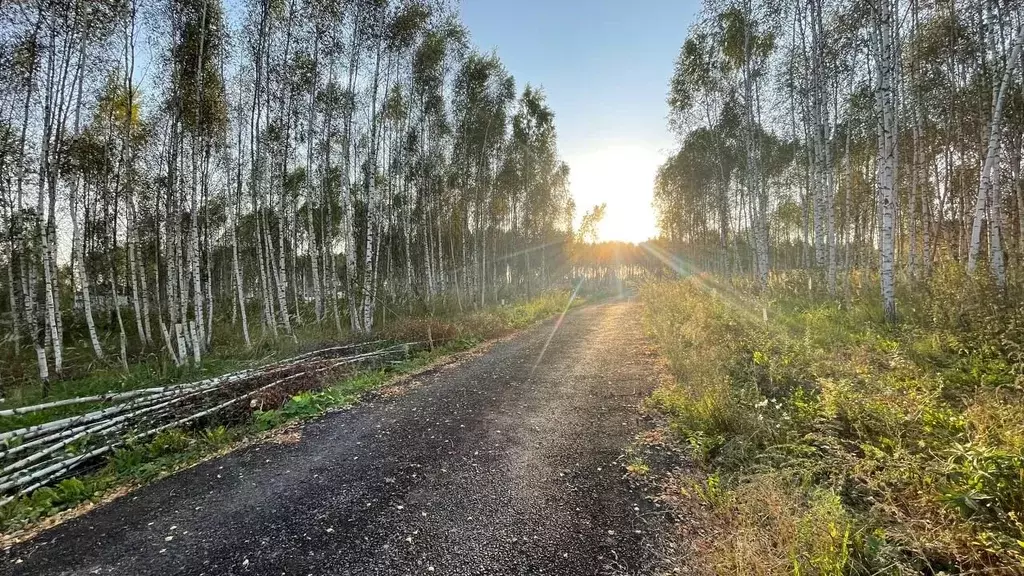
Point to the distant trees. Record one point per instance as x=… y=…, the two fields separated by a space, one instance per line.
x=817 y=133
x=310 y=162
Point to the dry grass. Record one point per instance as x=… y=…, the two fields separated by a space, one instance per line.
x=833 y=444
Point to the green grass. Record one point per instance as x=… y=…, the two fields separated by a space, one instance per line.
x=87 y=377
x=175 y=449
x=840 y=444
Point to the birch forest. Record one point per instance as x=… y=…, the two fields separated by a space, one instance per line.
x=180 y=173
x=844 y=135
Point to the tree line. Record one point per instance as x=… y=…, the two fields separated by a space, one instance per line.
x=175 y=171
x=833 y=135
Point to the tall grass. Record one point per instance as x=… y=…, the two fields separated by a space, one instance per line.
x=844 y=445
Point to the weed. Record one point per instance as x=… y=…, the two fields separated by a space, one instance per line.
x=129 y=458
x=71 y=491
x=169 y=442
x=637 y=468
x=840 y=445
x=217 y=437
x=267 y=419
x=710 y=491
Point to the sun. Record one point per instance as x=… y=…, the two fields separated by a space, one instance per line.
x=622 y=176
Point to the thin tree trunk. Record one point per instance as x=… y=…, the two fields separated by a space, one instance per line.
x=988 y=199
x=886 y=169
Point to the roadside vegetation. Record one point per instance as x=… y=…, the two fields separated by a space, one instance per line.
x=137 y=463
x=831 y=442
x=848 y=374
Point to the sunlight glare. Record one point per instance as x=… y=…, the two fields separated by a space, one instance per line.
x=558 y=324
x=623 y=177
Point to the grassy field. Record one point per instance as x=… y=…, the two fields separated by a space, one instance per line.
x=831 y=443
x=174 y=449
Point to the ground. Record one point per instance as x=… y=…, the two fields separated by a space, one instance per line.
x=508 y=462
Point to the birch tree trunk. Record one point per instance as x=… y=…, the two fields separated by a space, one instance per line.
x=236 y=267
x=239 y=284
x=988 y=200
x=758 y=196
x=13 y=302
x=310 y=232
x=78 y=269
x=41 y=239
x=120 y=322
x=352 y=288
x=884 y=45
x=136 y=304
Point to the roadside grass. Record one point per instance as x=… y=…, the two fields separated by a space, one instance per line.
x=832 y=443
x=173 y=450
x=88 y=377
x=84 y=375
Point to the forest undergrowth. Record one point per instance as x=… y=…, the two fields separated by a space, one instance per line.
x=829 y=442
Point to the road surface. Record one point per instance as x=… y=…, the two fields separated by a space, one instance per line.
x=507 y=462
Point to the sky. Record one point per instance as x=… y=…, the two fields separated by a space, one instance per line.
x=605 y=66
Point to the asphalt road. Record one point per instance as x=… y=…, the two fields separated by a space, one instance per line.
x=508 y=462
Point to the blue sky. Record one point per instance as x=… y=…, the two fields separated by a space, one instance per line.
x=605 y=67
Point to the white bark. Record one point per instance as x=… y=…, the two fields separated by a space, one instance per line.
x=78 y=270
x=988 y=202
x=120 y=322
x=366 y=309
x=236 y=267
x=346 y=191
x=758 y=195
x=330 y=275
x=239 y=286
x=885 y=114
x=281 y=278
x=310 y=231
x=136 y=304
x=198 y=338
x=42 y=242
x=167 y=342
x=282 y=216
x=265 y=258
x=15 y=320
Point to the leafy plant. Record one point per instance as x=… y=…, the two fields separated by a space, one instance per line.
x=636 y=467
x=129 y=458
x=169 y=442
x=217 y=436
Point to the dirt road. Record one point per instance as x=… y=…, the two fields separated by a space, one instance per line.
x=505 y=463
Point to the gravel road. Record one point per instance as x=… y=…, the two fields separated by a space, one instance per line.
x=507 y=462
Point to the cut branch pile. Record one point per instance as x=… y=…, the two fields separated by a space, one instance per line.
x=43 y=454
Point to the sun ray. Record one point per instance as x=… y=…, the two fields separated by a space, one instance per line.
x=554 y=330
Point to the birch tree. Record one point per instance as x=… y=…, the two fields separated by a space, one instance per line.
x=342 y=160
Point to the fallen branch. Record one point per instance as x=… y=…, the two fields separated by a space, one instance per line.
x=43 y=465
